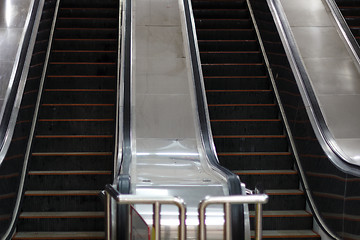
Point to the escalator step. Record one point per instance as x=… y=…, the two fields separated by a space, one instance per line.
x=269 y=179
x=59 y=235
x=350 y=11
x=226 y=23
x=215 y=4
x=83 y=33
x=71 y=160
x=73 y=143
x=239 y=96
x=77 y=82
x=84 y=68
x=88 y=12
x=87 y=4
x=83 y=56
x=243 y=111
x=251 y=143
x=231 y=57
x=77 y=111
x=256 y=160
x=247 y=127
x=288 y=234
x=61 y=221
x=220 y=13
x=62 y=201
x=287 y=199
x=225 y=34
x=75 y=22
x=238 y=82
x=83 y=44
x=227 y=45
x=75 y=126
x=78 y=96
x=68 y=180
x=230 y=69
x=283 y=220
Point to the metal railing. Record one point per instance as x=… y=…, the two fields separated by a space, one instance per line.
x=258 y=200
x=155 y=201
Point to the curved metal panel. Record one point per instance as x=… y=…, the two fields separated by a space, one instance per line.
x=332 y=183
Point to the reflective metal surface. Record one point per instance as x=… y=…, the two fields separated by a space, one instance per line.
x=168 y=156
x=333 y=185
x=13 y=14
x=332 y=69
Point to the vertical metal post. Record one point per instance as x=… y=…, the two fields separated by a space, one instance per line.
x=227 y=218
x=182 y=230
x=258 y=221
x=156 y=224
x=108 y=215
x=202 y=225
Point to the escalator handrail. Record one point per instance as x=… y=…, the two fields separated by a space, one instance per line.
x=315 y=115
x=325 y=138
x=125 y=101
x=20 y=194
x=15 y=88
x=233 y=181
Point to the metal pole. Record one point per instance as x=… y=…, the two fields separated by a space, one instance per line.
x=156 y=224
x=202 y=225
x=258 y=221
x=227 y=230
x=182 y=230
x=108 y=215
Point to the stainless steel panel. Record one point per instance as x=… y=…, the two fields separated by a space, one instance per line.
x=331 y=76
x=306 y=13
x=333 y=70
x=342 y=114
x=168 y=155
x=13 y=13
x=9 y=42
x=319 y=42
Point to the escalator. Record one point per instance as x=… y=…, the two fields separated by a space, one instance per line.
x=351 y=12
x=72 y=149
x=248 y=131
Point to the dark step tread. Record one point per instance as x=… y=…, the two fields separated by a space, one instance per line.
x=62 y=215
x=249 y=136
x=102 y=172
x=266 y=172
x=59 y=235
x=285 y=234
x=287 y=213
x=72 y=154
x=253 y=153
x=62 y=193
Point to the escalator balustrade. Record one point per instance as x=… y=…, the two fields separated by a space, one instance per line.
x=72 y=149
x=247 y=128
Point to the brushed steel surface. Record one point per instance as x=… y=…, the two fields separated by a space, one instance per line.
x=332 y=68
x=13 y=15
x=168 y=155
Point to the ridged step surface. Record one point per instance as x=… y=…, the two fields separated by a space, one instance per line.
x=73 y=144
x=246 y=124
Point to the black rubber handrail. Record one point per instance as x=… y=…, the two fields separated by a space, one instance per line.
x=233 y=181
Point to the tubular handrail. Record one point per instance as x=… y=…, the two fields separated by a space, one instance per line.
x=112 y=193
x=257 y=199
